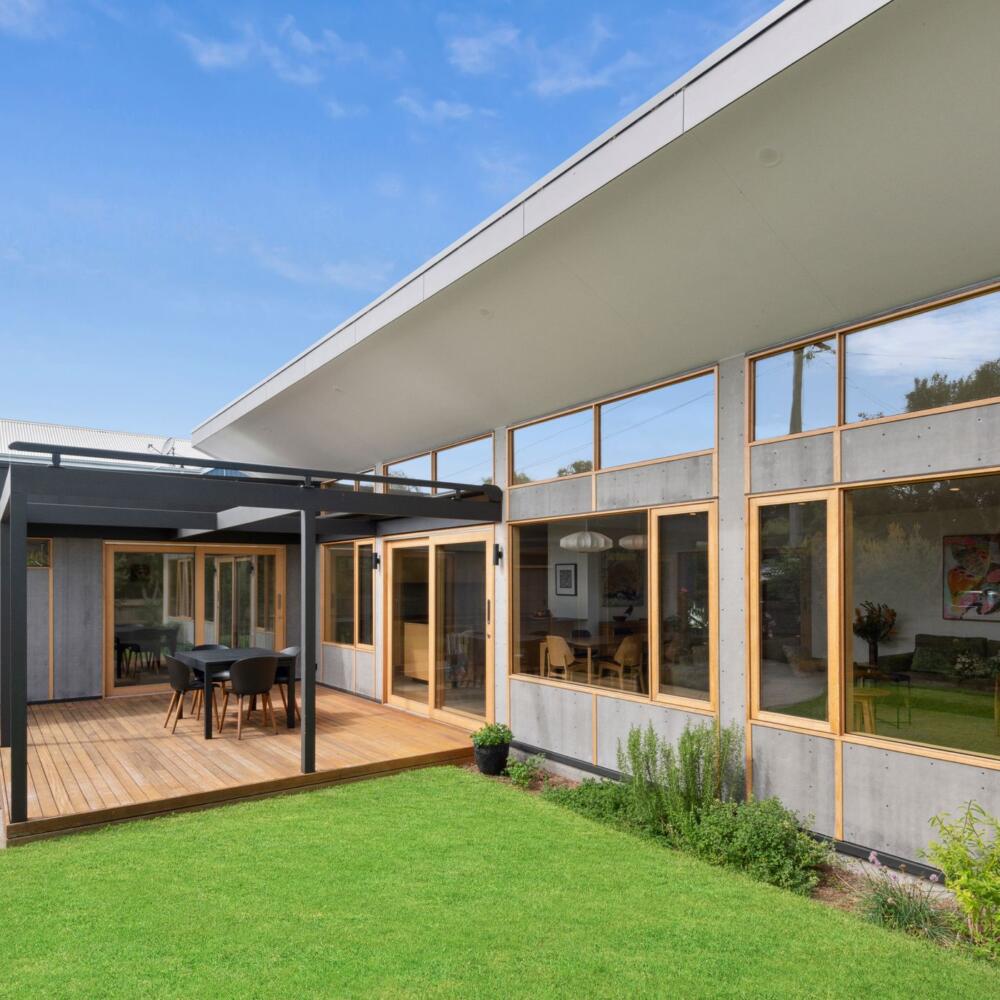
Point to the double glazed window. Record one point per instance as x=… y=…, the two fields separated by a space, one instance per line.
x=470 y=462
x=914 y=652
x=662 y=422
x=588 y=610
x=926 y=360
x=348 y=607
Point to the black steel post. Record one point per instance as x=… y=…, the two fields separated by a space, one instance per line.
x=18 y=657
x=307 y=640
x=4 y=633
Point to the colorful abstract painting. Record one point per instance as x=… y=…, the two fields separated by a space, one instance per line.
x=972 y=577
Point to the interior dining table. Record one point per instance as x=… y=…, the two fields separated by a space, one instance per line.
x=210 y=662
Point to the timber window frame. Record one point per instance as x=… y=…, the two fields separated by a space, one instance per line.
x=433 y=454
x=355 y=547
x=841 y=335
x=595 y=409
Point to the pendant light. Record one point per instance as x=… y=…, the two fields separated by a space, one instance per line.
x=586 y=541
x=634 y=543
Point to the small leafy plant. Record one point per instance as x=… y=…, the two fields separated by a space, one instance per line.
x=494 y=734
x=903 y=904
x=762 y=839
x=524 y=773
x=968 y=852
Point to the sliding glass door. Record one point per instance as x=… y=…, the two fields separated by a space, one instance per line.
x=440 y=625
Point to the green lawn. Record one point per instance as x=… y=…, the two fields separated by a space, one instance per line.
x=434 y=883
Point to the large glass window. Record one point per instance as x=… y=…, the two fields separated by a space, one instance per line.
x=470 y=463
x=671 y=420
x=924 y=601
x=418 y=467
x=562 y=446
x=796 y=390
x=145 y=627
x=936 y=358
x=580 y=601
x=348 y=613
x=792 y=609
x=366 y=596
x=339 y=588
x=685 y=605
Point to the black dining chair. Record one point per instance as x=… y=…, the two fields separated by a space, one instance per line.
x=282 y=678
x=220 y=676
x=251 y=678
x=181 y=682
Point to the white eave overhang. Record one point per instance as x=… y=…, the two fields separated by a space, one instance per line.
x=673 y=240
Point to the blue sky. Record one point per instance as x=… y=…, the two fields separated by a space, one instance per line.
x=190 y=194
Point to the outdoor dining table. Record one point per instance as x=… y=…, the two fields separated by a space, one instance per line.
x=213 y=661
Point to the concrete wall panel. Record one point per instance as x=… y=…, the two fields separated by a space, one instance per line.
x=651 y=485
x=364 y=673
x=799 y=770
x=890 y=797
x=939 y=442
x=337 y=667
x=732 y=535
x=569 y=496
x=77 y=565
x=38 y=634
x=789 y=465
x=616 y=716
x=552 y=718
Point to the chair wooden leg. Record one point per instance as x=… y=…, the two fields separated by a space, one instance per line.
x=179 y=714
x=284 y=700
x=239 y=719
x=170 y=708
x=274 y=725
x=199 y=697
x=215 y=706
x=225 y=706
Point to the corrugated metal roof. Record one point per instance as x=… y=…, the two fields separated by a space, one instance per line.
x=89 y=437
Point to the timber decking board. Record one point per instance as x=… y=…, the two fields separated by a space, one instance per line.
x=93 y=762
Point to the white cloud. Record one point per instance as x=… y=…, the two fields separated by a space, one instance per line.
x=212 y=54
x=479 y=53
x=328 y=42
x=435 y=112
x=362 y=275
x=388 y=186
x=558 y=69
x=503 y=173
x=337 y=109
x=25 y=18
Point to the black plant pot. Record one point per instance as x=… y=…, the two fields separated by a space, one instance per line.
x=492 y=760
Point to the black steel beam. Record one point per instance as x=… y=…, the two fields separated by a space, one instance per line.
x=165 y=491
x=17 y=583
x=307 y=641
x=119 y=517
x=311 y=476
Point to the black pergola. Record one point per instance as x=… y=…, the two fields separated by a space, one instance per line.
x=255 y=500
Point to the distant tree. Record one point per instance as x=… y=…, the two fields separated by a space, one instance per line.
x=940 y=390
x=580 y=465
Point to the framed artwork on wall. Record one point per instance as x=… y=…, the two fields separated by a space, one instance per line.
x=565 y=579
x=971 y=577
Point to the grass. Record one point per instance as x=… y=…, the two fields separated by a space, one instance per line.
x=432 y=884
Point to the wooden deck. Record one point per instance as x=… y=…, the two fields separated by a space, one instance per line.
x=97 y=762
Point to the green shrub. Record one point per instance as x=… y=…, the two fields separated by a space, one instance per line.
x=494 y=734
x=671 y=787
x=524 y=773
x=968 y=852
x=604 y=801
x=889 y=900
x=761 y=838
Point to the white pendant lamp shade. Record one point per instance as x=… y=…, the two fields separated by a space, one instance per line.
x=634 y=543
x=586 y=541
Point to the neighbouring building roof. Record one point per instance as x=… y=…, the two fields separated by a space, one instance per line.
x=88 y=437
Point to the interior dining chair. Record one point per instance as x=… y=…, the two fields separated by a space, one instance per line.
x=560 y=657
x=281 y=679
x=251 y=678
x=182 y=681
x=628 y=657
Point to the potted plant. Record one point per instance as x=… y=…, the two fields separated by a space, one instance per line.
x=873 y=623
x=492 y=746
